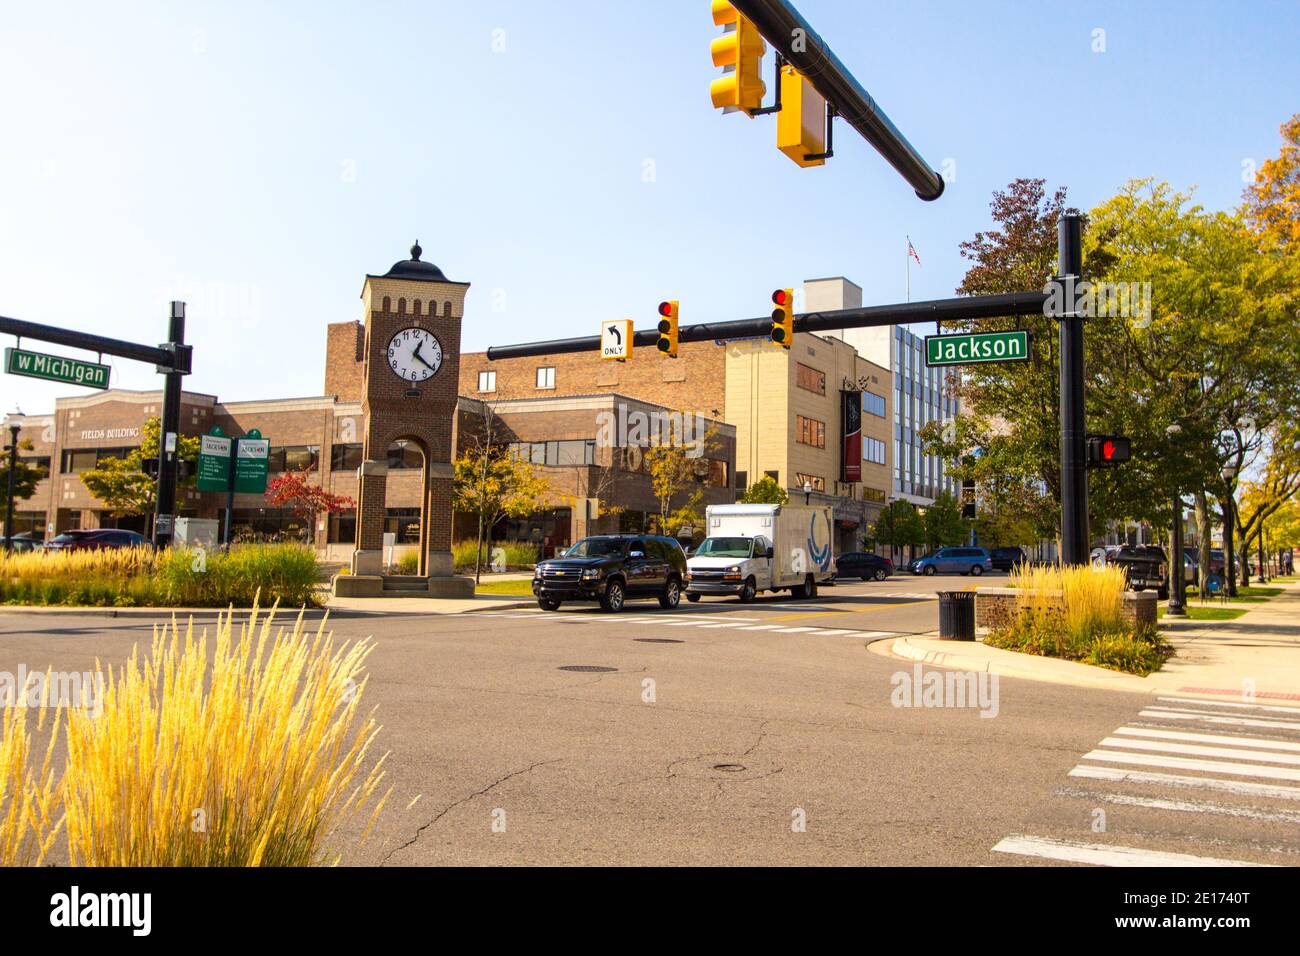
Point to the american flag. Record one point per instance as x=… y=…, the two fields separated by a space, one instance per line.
x=911 y=251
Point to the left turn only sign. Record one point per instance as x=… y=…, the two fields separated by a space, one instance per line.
x=616 y=339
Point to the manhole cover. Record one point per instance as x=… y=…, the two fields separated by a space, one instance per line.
x=588 y=668
x=658 y=640
x=729 y=767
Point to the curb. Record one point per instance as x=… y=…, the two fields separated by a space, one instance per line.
x=212 y=613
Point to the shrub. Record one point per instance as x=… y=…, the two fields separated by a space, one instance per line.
x=518 y=554
x=408 y=563
x=252 y=757
x=178 y=577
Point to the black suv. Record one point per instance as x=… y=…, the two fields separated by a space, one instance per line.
x=1004 y=559
x=610 y=568
x=1145 y=566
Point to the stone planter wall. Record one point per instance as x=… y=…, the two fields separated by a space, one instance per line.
x=996 y=607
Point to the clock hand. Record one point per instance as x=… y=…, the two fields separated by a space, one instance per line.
x=416 y=355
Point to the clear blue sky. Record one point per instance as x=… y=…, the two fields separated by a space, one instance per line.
x=258 y=160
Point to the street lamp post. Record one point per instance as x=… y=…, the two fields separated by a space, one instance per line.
x=807 y=492
x=1229 y=519
x=14 y=429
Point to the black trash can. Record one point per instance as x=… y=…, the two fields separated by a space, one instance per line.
x=957 y=615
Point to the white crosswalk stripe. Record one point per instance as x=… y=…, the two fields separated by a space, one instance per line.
x=1242 y=756
x=703 y=622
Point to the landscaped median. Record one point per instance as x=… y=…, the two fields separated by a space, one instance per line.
x=1080 y=614
x=176 y=577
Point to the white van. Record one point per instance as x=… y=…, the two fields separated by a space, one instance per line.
x=755 y=548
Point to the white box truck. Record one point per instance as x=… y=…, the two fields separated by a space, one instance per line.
x=755 y=548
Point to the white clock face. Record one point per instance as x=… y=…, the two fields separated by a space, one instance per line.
x=414 y=355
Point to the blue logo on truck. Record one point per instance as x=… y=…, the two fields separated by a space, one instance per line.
x=821 y=555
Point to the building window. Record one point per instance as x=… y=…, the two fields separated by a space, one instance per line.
x=343 y=527
x=742 y=480
x=873 y=403
x=292 y=457
x=487 y=381
x=873 y=450
x=815 y=482
x=404 y=454
x=36 y=461
x=809 y=431
x=404 y=524
x=345 y=457
x=76 y=460
x=546 y=376
x=873 y=494
x=556 y=454
x=809 y=378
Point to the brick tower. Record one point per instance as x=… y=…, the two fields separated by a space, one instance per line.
x=409 y=389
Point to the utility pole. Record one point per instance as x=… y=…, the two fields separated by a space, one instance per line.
x=14 y=429
x=1177 y=565
x=1074 y=442
x=168 y=438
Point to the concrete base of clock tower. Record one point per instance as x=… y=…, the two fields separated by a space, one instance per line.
x=402 y=585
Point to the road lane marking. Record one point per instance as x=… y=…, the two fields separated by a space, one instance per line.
x=1105 y=855
x=1186 y=806
x=1239 y=787
x=1227 y=703
x=760 y=627
x=795 y=630
x=1209 y=738
x=1194 y=750
x=1187 y=763
x=1222 y=721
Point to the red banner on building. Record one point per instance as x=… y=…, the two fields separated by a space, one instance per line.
x=850 y=436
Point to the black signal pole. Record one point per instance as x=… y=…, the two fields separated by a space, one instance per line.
x=1074 y=442
x=9 y=491
x=169 y=433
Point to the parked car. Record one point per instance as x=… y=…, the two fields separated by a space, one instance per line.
x=1004 y=559
x=612 y=568
x=96 y=539
x=1144 y=566
x=753 y=548
x=954 y=561
x=24 y=541
x=864 y=565
x=1216 y=558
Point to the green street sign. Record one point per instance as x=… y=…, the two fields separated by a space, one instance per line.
x=214 y=461
x=971 y=348
x=251 y=458
x=55 y=368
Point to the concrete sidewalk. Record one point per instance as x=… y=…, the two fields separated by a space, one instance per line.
x=337 y=607
x=1258 y=653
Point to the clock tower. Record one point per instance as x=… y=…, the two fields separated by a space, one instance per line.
x=409 y=392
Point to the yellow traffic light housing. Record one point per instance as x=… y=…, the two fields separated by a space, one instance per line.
x=783 y=317
x=668 y=328
x=741 y=49
x=801 y=124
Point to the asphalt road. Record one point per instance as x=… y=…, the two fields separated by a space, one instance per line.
x=759 y=734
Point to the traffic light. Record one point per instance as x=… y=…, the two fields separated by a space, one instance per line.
x=801 y=124
x=968 y=498
x=668 y=328
x=783 y=317
x=739 y=52
x=1108 y=451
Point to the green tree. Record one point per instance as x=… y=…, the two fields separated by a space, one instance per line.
x=899 y=526
x=943 y=523
x=26 y=476
x=765 y=491
x=122 y=485
x=491 y=484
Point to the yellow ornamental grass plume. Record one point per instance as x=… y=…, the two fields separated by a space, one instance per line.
x=249 y=753
x=1084 y=600
x=29 y=798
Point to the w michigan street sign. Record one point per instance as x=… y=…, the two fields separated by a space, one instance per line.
x=56 y=368
x=970 y=348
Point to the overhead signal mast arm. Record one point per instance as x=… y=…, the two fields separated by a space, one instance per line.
x=781 y=25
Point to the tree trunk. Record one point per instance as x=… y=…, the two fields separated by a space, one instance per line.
x=1202 y=541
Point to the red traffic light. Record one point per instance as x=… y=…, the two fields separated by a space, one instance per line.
x=665 y=308
x=780 y=297
x=1108 y=450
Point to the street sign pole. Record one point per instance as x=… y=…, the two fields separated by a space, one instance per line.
x=9 y=491
x=230 y=492
x=169 y=437
x=1074 y=443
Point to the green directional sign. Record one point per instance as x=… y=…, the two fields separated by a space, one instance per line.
x=214 y=461
x=56 y=368
x=971 y=348
x=252 y=453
